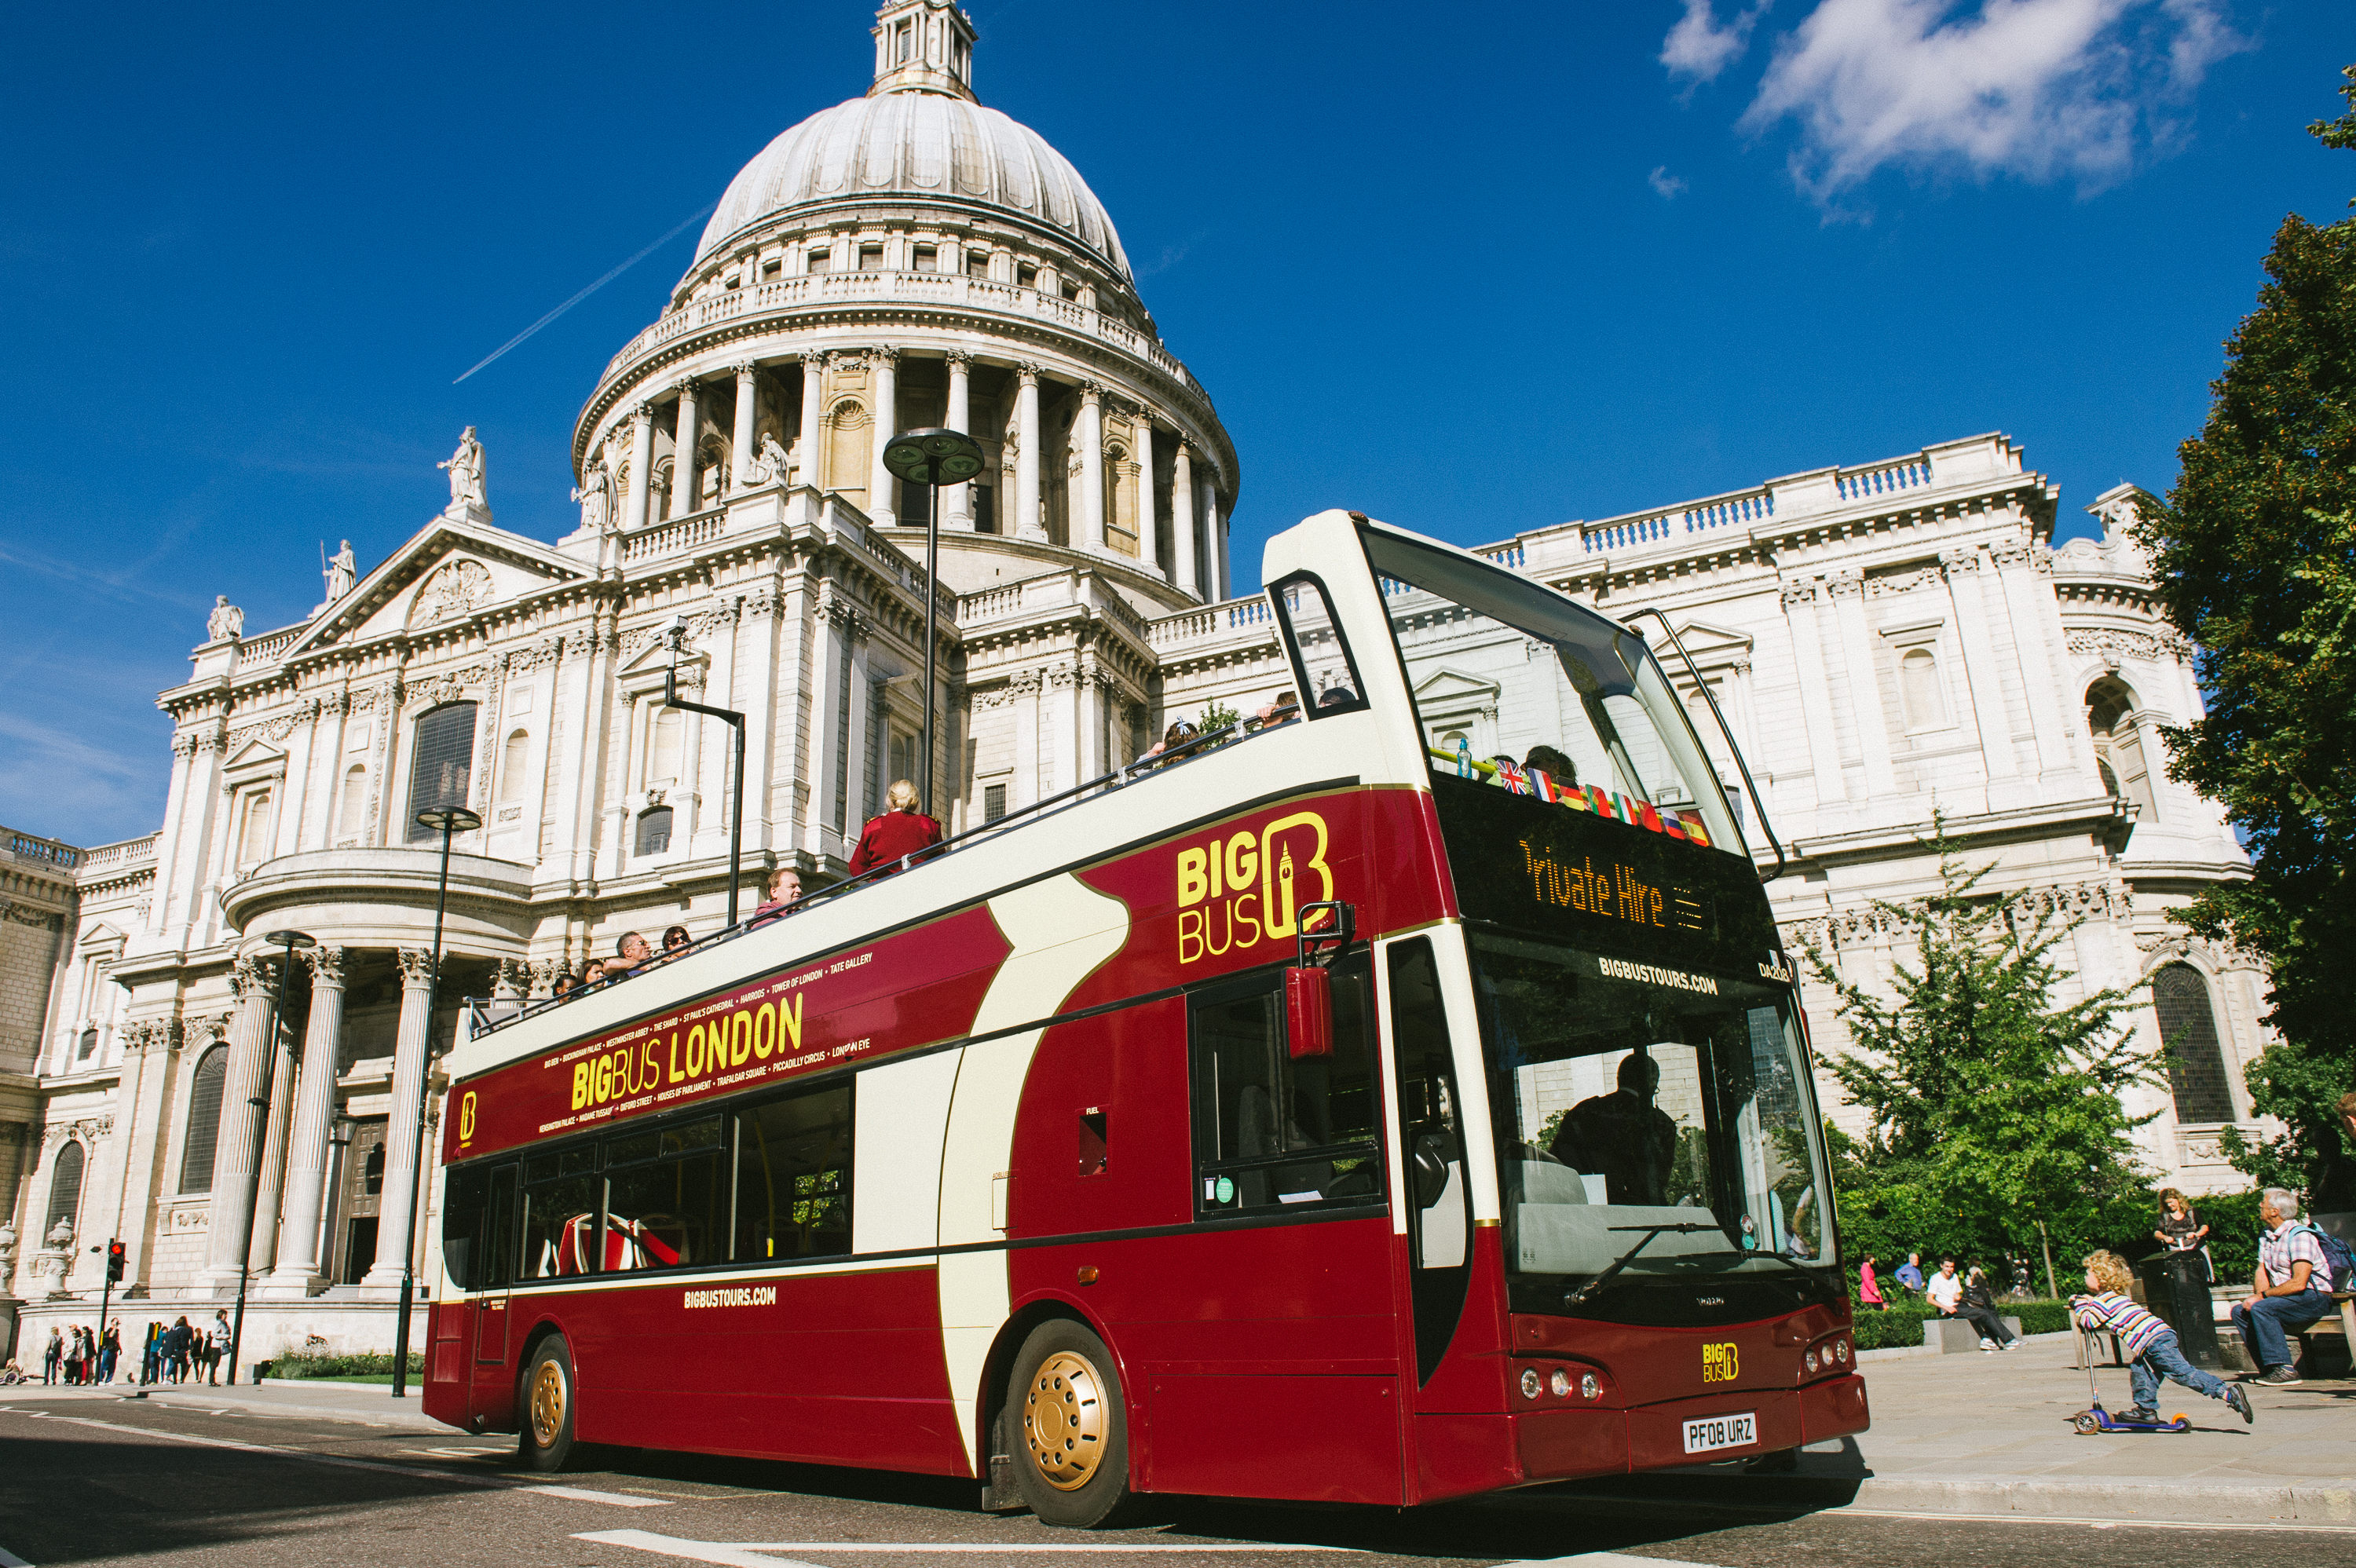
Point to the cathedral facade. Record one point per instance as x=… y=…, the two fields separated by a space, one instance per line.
x=1882 y=639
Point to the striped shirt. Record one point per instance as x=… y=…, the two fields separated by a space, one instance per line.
x=2291 y=1244
x=2111 y=1313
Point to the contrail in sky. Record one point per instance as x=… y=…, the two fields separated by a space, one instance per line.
x=669 y=235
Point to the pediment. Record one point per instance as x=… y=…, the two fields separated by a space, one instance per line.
x=256 y=760
x=643 y=671
x=1444 y=687
x=449 y=573
x=99 y=936
x=1707 y=643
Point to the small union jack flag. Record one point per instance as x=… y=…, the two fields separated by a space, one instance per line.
x=1510 y=774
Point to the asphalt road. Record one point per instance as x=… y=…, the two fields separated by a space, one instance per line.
x=98 y=1481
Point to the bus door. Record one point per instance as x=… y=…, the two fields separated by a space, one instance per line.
x=491 y=1384
x=1432 y=1147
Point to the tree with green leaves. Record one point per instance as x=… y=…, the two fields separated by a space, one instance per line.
x=2255 y=551
x=1990 y=1107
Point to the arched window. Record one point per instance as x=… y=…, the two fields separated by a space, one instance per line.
x=444 y=764
x=204 y=1121
x=662 y=744
x=2119 y=757
x=351 y=811
x=846 y=448
x=65 y=1187
x=1918 y=683
x=512 y=766
x=2188 y=1032
x=253 y=830
x=654 y=831
x=89 y=1045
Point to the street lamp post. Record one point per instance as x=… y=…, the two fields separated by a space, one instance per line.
x=287 y=942
x=932 y=457
x=676 y=633
x=445 y=820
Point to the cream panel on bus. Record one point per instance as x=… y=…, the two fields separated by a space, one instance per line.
x=1059 y=930
x=900 y=1111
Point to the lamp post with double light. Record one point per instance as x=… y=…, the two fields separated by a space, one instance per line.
x=445 y=820
x=288 y=942
x=676 y=635
x=932 y=457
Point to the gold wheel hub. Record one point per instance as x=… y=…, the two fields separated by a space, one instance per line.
x=1064 y=1420
x=547 y=1404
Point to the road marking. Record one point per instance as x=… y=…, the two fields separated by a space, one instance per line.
x=754 y=1554
x=2285 y=1526
x=585 y=1495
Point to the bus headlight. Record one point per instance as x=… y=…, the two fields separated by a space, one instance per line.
x=1530 y=1383
x=1810 y=1362
x=1589 y=1387
x=1559 y=1383
x=1840 y=1350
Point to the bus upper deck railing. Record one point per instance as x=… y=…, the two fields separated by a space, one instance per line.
x=487 y=1015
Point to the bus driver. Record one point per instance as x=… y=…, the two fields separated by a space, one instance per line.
x=1623 y=1137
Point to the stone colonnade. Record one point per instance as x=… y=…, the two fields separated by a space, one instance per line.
x=1200 y=566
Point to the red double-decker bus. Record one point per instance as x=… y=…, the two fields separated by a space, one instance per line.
x=1322 y=1112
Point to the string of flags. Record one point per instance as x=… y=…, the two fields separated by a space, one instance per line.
x=1610 y=805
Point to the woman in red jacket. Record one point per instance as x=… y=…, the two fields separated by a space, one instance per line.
x=903 y=830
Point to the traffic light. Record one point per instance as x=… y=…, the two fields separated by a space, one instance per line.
x=115 y=1263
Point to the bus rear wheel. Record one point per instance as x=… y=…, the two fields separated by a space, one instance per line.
x=1071 y=1429
x=547 y=1443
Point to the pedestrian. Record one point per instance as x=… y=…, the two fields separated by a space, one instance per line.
x=1979 y=1305
x=1910 y=1272
x=2181 y=1231
x=900 y=832
x=217 y=1345
x=151 y=1357
x=175 y=1351
x=109 y=1351
x=1868 y=1285
x=53 y=1357
x=2290 y=1289
x=1946 y=1292
x=77 y=1353
x=2151 y=1346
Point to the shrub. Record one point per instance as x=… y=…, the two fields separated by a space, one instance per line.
x=1900 y=1325
x=301 y=1364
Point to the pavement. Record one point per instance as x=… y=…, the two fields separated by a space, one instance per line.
x=1989 y=1434
x=364 y=1404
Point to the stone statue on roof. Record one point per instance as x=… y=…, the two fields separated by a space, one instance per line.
x=342 y=570
x=226 y=621
x=594 y=495
x=466 y=470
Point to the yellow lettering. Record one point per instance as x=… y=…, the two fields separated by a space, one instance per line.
x=1271 y=867
x=1225 y=942
x=1243 y=861
x=1193 y=883
x=1217 y=887
x=580 y=1085
x=740 y=1038
x=1236 y=917
x=466 y=1117
x=765 y=1030
x=790 y=1015
x=675 y=1075
x=1190 y=933
x=695 y=1063
x=605 y=1080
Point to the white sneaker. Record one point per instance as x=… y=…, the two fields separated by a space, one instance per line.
x=2011 y=1345
x=1987 y=1343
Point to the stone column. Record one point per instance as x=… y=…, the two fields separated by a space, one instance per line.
x=642 y=465
x=1182 y=520
x=1214 y=536
x=1962 y=569
x=237 y=1146
x=401 y=1128
x=813 y=404
x=682 y=454
x=954 y=504
x=309 y=1154
x=264 y=1250
x=1027 y=454
x=1149 y=548
x=886 y=366
x=2036 y=621
x=1868 y=711
x=1815 y=693
x=748 y=397
x=1087 y=434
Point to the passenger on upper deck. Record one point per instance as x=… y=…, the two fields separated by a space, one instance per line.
x=674 y=939
x=1177 y=737
x=1283 y=710
x=566 y=981
x=1554 y=764
x=1336 y=696
x=785 y=892
x=633 y=953
x=900 y=832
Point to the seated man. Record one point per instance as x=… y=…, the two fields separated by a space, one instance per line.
x=631 y=952
x=785 y=892
x=1623 y=1137
x=2291 y=1289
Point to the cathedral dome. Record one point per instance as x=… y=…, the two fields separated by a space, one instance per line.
x=920 y=145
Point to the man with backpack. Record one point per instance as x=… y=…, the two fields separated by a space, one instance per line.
x=2291 y=1289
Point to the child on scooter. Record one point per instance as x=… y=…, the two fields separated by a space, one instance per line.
x=2149 y=1345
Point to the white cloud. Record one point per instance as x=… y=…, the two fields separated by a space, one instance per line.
x=2039 y=89
x=1698 y=47
x=1666 y=185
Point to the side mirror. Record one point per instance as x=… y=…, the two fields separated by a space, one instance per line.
x=1308 y=1012
x=1427 y=1170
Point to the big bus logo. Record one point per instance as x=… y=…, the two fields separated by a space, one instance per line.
x=1719 y=1364
x=1242 y=888
x=466 y=1117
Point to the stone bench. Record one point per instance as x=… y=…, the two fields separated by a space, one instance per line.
x=1953 y=1336
x=2325 y=1345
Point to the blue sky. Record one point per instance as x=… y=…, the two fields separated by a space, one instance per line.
x=1472 y=271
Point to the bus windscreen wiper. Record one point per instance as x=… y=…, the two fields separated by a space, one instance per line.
x=1624 y=1259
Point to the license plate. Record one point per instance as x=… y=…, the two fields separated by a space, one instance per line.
x=1710 y=1433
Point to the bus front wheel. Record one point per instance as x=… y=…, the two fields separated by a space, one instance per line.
x=1071 y=1428
x=547 y=1441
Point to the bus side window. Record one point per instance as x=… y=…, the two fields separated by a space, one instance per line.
x=465 y=1205
x=793 y=1177
x=494 y=1259
x=1272 y=1130
x=1431 y=1137
x=563 y=1210
x=663 y=1197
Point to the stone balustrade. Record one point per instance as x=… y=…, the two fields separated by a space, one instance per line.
x=111 y=858
x=947 y=290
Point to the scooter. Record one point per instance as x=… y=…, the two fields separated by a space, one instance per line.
x=2095 y=1419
